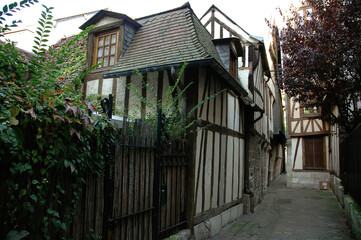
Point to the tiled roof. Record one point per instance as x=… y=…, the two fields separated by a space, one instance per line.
x=170 y=37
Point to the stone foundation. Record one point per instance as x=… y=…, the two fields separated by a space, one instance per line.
x=306 y=179
x=211 y=227
x=352 y=209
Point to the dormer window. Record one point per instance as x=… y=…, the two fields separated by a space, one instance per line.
x=106 y=48
x=229 y=49
x=233 y=70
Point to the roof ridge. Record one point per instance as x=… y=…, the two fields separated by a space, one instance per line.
x=184 y=6
x=195 y=36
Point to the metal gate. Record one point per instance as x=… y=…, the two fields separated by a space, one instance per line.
x=145 y=185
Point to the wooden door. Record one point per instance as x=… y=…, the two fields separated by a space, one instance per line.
x=314 y=154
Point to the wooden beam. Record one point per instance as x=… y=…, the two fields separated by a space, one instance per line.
x=212 y=23
x=204 y=169
x=230 y=30
x=294 y=129
x=172 y=83
x=204 y=95
x=294 y=159
x=160 y=86
x=220 y=154
x=309 y=134
x=208 y=80
x=191 y=75
x=318 y=125
x=208 y=22
x=308 y=125
x=220 y=129
x=126 y=99
x=114 y=92
x=226 y=156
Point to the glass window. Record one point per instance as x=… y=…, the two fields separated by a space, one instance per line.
x=311 y=111
x=106 y=49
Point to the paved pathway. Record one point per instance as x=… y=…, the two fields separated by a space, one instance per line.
x=303 y=214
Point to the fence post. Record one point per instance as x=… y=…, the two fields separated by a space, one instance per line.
x=107 y=106
x=156 y=177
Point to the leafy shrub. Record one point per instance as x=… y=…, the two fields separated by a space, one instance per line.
x=48 y=141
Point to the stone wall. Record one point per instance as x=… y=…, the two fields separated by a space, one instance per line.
x=211 y=227
x=352 y=209
x=258 y=167
x=275 y=165
x=306 y=179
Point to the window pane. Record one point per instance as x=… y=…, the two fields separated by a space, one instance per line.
x=112 y=50
x=99 y=60
x=100 y=44
x=111 y=62
x=306 y=110
x=100 y=52
x=114 y=38
x=105 y=64
x=107 y=40
x=106 y=51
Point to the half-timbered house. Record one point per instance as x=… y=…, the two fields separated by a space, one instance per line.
x=264 y=128
x=308 y=142
x=157 y=46
x=308 y=158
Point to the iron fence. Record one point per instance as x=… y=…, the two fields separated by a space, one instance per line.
x=350 y=162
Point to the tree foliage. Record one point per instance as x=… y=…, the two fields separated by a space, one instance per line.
x=9 y=9
x=48 y=140
x=322 y=59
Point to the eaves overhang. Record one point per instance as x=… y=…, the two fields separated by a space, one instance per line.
x=228 y=78
x=104 y=13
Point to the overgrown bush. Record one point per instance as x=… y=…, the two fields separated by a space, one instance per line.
x=48 y=141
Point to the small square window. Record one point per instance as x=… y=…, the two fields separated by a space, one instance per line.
x=310 y=111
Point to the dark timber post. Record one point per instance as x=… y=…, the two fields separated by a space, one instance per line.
x=107 y=106
x=156 y=177
x=191 y=76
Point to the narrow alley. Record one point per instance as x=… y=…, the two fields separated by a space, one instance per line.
x=291 y=214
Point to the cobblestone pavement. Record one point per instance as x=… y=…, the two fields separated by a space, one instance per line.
x=291 y=214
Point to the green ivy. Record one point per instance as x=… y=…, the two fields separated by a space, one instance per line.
x=48 y=141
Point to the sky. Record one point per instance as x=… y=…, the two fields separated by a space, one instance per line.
x=249 y=14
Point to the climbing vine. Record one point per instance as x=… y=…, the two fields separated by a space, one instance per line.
x=48 y=139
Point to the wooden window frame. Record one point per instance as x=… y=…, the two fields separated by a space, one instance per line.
x=233 y=65
x=97 y=38
x=324 y=164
